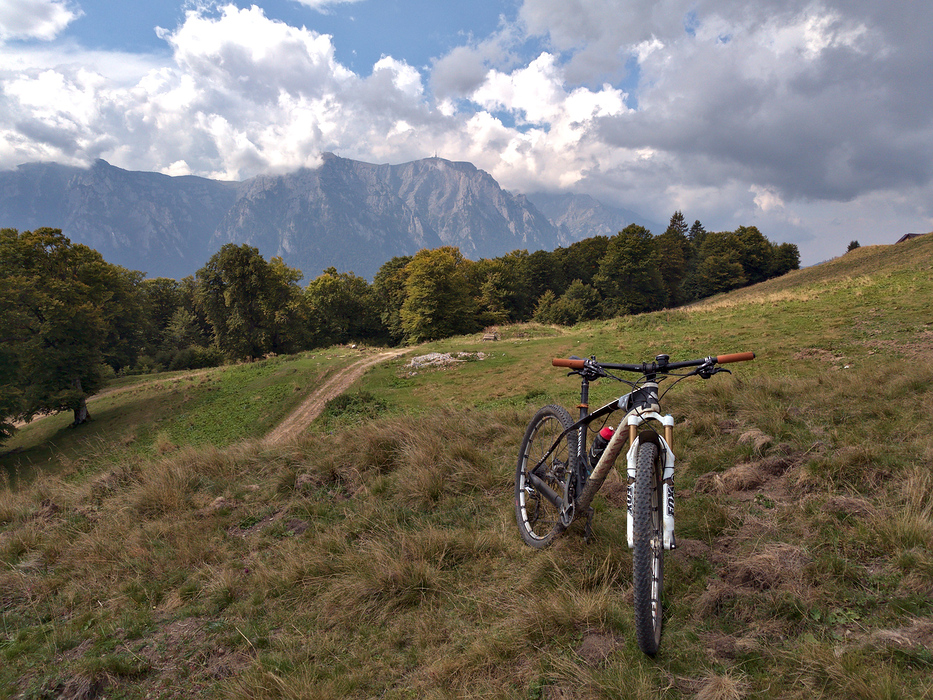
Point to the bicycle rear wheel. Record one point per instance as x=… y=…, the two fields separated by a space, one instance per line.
x=537 y=517
x=648 y=556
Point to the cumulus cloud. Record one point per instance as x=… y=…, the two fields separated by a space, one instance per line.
x=243 y=94
x=767 y=112
x=460 y=72
x=246 y=94
x=35 y=19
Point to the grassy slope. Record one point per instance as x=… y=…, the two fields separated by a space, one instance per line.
x=155 y=414
x=379 y=558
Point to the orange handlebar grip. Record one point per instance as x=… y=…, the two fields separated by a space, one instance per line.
x=562 y=362
x=735 y=357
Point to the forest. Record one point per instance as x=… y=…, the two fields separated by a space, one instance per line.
x=70 y=320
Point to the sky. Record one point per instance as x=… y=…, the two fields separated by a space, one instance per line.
x=811 y=120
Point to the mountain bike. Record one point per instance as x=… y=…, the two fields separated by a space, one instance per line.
x=557 y=476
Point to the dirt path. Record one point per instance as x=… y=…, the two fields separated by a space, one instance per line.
x=312 y=406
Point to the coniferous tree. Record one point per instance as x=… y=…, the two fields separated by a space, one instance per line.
x=689 y=289
x=629 y=278
x=673 y=251
x=720 y=264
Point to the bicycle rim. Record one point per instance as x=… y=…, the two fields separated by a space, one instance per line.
x=536 y=516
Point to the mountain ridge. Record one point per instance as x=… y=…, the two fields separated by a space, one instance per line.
x=347 y=214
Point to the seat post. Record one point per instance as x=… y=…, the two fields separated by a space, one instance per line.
x=584 y=397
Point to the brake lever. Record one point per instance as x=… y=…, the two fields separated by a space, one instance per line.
x=707 y=371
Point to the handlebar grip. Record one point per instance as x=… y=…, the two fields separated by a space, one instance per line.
x=735 y=357
x=562 y=362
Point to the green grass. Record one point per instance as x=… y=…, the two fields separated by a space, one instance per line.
x=377 y=555
x=157 y=414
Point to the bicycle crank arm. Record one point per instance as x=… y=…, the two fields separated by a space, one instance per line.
x=546 y=491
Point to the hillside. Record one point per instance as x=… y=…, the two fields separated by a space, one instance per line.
x=377 y=556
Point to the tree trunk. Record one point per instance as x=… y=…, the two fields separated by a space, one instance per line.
x=81 y=412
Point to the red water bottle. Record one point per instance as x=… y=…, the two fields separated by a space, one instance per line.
x=599 y=445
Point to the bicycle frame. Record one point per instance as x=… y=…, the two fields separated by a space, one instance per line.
x=646 y=409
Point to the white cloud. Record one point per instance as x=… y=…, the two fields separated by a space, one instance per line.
x=538 y=94
x=460 y=72
x=323 y=5
x=35 y=19
x=405 y=78
x=766 y=198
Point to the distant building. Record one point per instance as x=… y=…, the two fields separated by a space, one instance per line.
x=908 y=236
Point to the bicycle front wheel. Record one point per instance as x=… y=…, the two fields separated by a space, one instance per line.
x=648 y=556
x=537 y=517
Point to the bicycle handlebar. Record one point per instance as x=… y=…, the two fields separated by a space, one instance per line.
x=654 y=367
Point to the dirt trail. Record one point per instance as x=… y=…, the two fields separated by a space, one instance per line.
x=334 y=386
x=309 y=409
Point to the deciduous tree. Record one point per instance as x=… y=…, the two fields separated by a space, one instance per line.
x=342 y=307
x=580 y=302
x=248 y=301
x=437 y=303
x=60 y=302
x=389 y=293
x=784 y=258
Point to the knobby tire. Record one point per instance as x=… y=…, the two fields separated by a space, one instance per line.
x=648 y=555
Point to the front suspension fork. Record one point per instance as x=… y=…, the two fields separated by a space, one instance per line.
x=666 y=457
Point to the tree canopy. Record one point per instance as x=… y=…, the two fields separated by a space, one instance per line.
x=437 y=300
x=64 y=312
x=249 y=302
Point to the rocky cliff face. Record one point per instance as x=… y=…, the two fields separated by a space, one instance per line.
x=143 y=221
x=356 y=216
x=351 y=215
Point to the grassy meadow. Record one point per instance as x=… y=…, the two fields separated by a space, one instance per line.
x=166 y=551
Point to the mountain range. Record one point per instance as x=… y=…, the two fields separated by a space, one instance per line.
x=348 y=214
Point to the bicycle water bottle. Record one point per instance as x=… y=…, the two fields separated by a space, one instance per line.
x=599 y=445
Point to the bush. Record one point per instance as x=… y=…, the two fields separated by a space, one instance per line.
x=196 y=357
x=361 y=405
